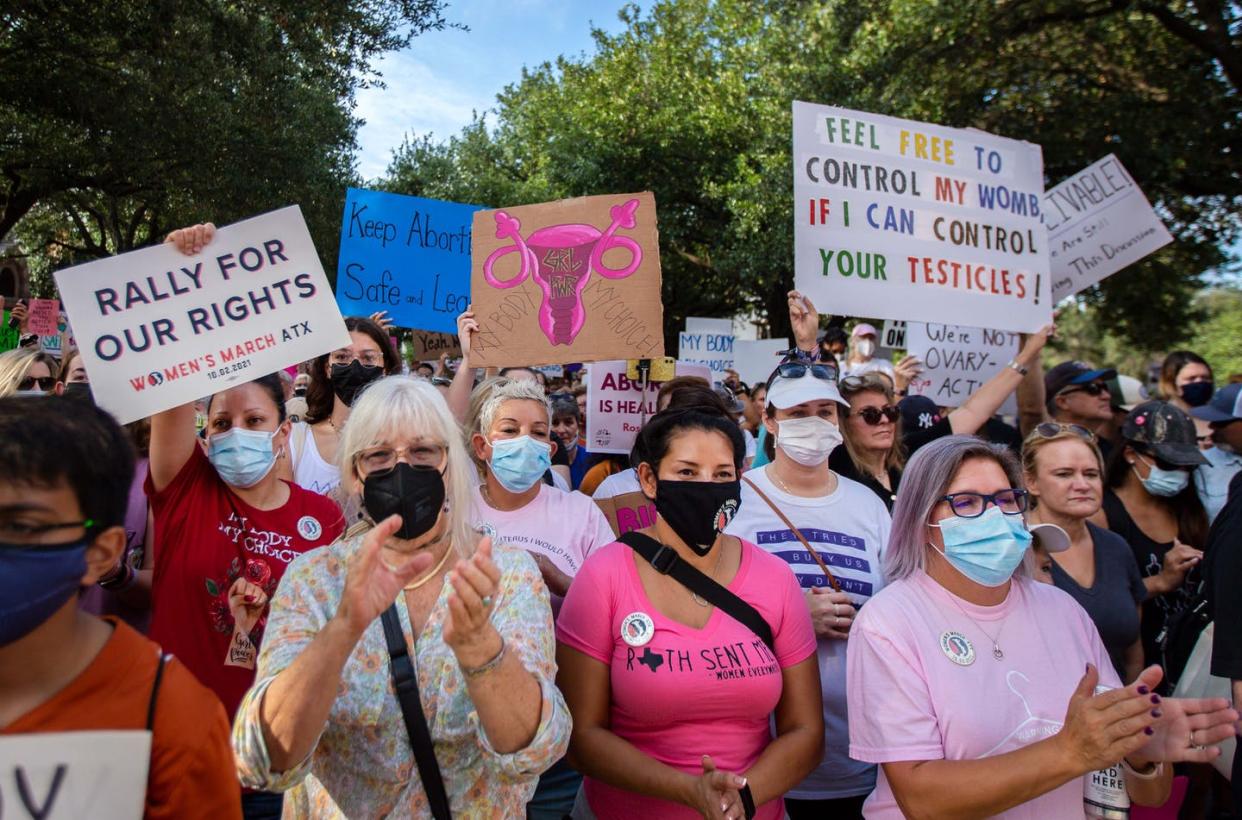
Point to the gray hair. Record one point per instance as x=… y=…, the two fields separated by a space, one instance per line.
x=511 y=390
x=924 y=483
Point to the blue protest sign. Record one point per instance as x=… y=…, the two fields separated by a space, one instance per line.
x=406 y=255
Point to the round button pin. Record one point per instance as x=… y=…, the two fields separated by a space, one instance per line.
x=637 y=629
x=957 y=648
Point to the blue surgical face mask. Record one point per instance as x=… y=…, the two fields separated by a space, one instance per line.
x=986 y=549
x=35 y=581
x=242 y=457
x=519 y=462
x=1164 y=483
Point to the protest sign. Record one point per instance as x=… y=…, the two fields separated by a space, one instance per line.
x=1098 y=223
x=407 y=255
x=550 y=371
x=158 y=328
x=617 y=406
x=44 y=317
x=69 y=775
x=957 y=360
x=707 y=342
x=627 y=512
x=893 y=335
x=754 y=360
x=897 y=219
x=571 y=281
x=426 y=345
x=9 y=336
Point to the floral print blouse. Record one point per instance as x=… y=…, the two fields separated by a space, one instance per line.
x=362 y=765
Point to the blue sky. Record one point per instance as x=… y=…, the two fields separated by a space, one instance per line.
x=436 y=84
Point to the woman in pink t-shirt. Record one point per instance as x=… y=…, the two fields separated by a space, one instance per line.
x=966 y=678
x=671 y=697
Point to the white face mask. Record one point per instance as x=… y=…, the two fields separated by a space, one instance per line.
x=865 y=348
x=808 y=441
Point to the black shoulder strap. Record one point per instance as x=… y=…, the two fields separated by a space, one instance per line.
x=405 y=681
x=155 y=690
x=666 y=561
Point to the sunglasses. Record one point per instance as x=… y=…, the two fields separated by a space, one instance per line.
x=873 y=415
x=1091 y=389
x=796 y=370
x=45 y=383
x=1052 y=429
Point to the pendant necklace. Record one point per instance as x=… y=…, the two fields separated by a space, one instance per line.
x=997 y=652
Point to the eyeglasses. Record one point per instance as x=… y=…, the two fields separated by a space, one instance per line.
x=383 y=459
x=1052 y=429
x=45 y=383
x=369 y=358
x=1091 y=389
x=796 y=370
x=872 y=415
x=972 y=505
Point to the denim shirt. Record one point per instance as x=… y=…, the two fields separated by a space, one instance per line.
x=1212 y=479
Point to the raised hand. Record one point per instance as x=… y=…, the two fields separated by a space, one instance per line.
x=1102 y=729
x=906 y=371
x=381 y=318
x=193 y=239
x=468 y=629
x=1189 y=728
x=376 y=576
x=1033 y=344
x=467 y=326
x=804 y=320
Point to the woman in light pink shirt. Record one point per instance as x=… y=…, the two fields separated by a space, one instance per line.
x=974 y=687
x=671 y=697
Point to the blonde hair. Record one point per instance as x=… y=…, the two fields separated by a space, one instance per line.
x=895 y=458
x=15 y=365
x=1034 y=442
x=402 y=405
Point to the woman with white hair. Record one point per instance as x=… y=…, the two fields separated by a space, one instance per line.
x=974 y=687
x=323 y=720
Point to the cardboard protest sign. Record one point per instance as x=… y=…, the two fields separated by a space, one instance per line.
x=426 y=345
x=158 y=328
x=898 y=219
x=754 y=360
x=707 y=342
x=893 y=335
x=407 y=255
x=1098 y=223
x=617 y=406
x=627 y=512
x=571 y=281
x=957 y=360
x=69 y=775
x=44 y=317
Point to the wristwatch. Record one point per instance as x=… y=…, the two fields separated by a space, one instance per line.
x=748 y=801
x=1021 y=370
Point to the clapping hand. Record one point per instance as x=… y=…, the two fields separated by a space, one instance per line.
x=376 y=576
x=468 y=629
x=1189 y=729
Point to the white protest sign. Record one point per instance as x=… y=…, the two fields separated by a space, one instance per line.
x=708 y=342
x=616 y=405
x=158 y=328
x=754 y=360
x=70 y=775
x=898 y=219
x=1098 y=223
x=893 y=336
x=957 y=360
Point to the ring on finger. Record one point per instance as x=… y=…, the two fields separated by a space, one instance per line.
x=487 y=601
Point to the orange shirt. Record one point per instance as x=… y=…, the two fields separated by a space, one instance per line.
x=192 y=771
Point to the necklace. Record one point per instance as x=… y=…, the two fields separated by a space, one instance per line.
x=783 y=487
x=695 y=595
x=997 y=652
x=416 y=584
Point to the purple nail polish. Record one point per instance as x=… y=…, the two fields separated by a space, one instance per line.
x=1149 y=731
x=1155 y=698
x=1156 y=713
x=1143 y=690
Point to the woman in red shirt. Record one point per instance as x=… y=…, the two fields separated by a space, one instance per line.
x=226 y=527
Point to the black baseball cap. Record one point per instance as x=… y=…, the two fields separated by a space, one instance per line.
x=1073 y=373
x=1165 y=431
x=1226 y=405
x=918 y=413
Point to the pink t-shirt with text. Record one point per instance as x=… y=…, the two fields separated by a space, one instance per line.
x=908 y=700
x=688 y=692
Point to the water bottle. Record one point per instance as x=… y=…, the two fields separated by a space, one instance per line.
x=1104 y=792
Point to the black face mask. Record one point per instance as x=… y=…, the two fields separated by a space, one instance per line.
x=348 y=379
x=414 y=493
x=1197 y=394
x=80 y=391
x=299 y=391
x=698 y=511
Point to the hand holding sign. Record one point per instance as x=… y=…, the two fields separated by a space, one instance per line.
x=803 y=319
x=191 y=241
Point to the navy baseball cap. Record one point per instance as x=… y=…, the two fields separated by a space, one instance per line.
x=1226 y=405
x=918 y=413
x=1073 y=373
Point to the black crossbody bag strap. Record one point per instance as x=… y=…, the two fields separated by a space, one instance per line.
x=666 y=561
x=405 y=681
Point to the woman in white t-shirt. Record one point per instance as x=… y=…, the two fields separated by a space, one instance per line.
x=847 y=526
x=966 y=677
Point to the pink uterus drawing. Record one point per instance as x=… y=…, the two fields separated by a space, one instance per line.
x=561 y=259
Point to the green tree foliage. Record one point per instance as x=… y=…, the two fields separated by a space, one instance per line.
x=120 y=120
x=692 y=101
